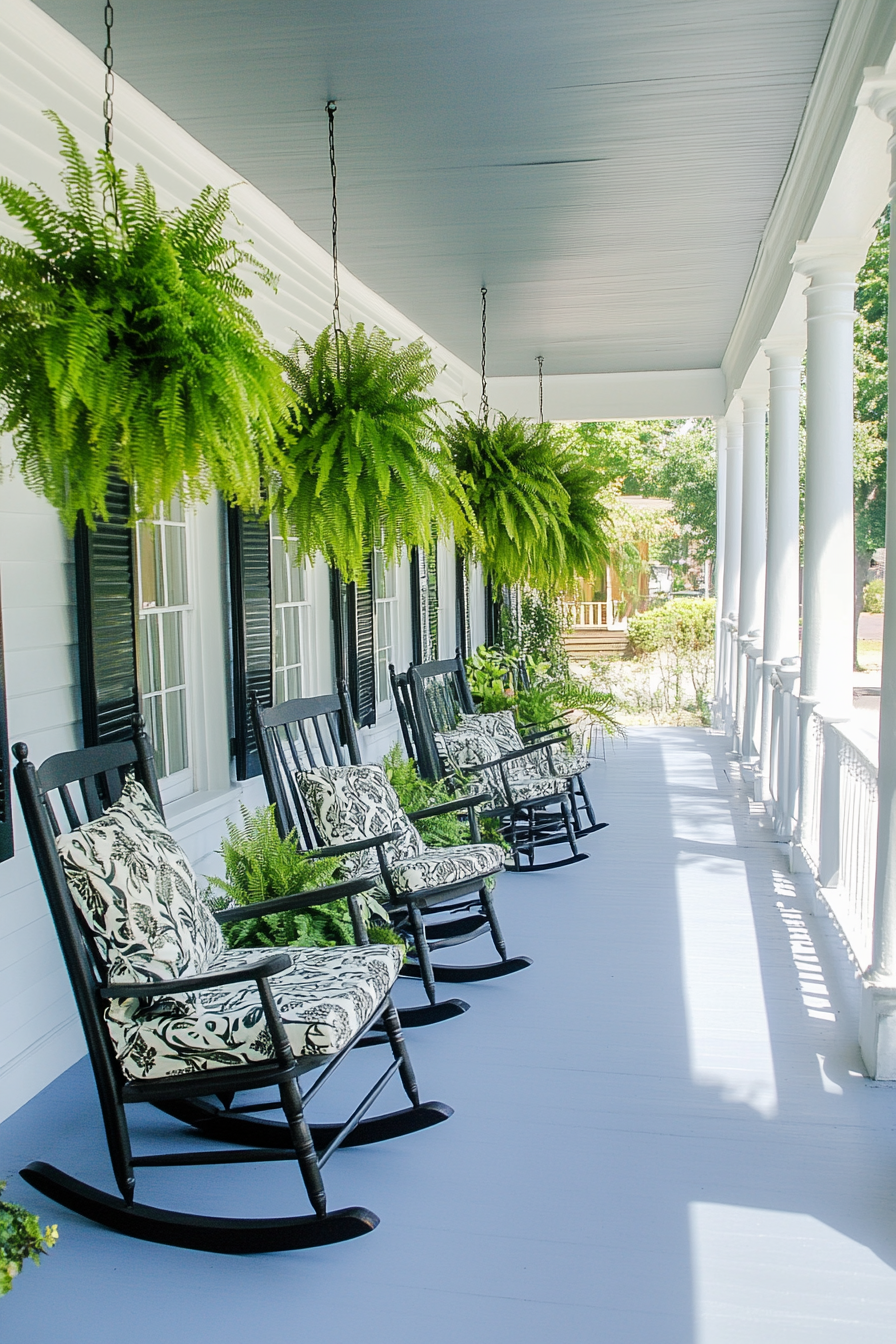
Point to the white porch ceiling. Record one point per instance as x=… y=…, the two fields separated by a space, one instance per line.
x=606 y=168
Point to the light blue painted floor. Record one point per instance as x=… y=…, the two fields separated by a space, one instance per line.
x=658 y=1136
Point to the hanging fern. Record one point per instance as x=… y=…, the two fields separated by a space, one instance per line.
x=125 y=346
x=533 y=500
x=368 y=465
x=509 y=472
x=585 y=545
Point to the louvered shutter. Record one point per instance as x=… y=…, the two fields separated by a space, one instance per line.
x=252 y=634
x=106 y=602
x=6 y=845
x=418 y=605
x=432 y=600
x=354 y=613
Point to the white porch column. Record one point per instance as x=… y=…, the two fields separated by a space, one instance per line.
x=734 y=432
x=752 y=558
x=719 y=570
x=828 y=543
x=781 y=633
x=828 y=547
x=878 y=1021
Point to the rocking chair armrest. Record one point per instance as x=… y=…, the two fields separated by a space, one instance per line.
x=453 y=805
x=556 y=734
x=188 y=984
x=353 y=846
x=299 y=900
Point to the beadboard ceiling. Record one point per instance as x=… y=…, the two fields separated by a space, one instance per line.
x=605 y=167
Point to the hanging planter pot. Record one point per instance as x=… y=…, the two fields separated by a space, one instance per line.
x=368 y=465
x=126 y=347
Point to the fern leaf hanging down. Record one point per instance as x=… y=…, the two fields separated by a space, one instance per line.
x=367 y=462
x=126 y=347
x=520 y=505
x=534 y=500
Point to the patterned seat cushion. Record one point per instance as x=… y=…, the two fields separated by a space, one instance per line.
x=136 y=890
x=357 y=802
x=501 y=725
x=465 y=747
x=138 y=895
x=439 y=867
x=324 y=999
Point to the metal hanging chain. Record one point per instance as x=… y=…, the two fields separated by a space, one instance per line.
x=483 y=403
x=110 y=204
x=331 y=114
x=540 y=359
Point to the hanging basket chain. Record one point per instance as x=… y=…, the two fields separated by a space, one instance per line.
x=110 y=204
x=337 y=329
x=540 y=359
x=483 y=403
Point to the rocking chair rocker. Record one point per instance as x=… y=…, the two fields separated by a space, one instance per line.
x=312 y=769
x=173 y=1018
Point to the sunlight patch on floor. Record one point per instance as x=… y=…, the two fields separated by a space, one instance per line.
x=785 y=1278
x=728 y=1033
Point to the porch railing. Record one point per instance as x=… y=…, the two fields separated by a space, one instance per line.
x=596 y=615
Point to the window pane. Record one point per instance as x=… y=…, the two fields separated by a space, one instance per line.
x=389 y=580
x=292 y=648
x=172 y=639
x=150 y=565
x=293 y=683
x=176 y=716
x=176 y=562
x=296 y=574
x=280 y=687
x=382 y=676
x=149 y=659
x=278 y=570
x=152 y=713
x=378 y=575
x=174 y=510
x=279 y=641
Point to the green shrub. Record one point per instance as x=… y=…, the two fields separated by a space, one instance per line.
x=414 y=793
x=260 y=866
x=681 y=626
x=874 y=597
x=20 y=1239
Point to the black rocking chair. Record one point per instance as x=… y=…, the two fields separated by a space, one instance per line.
x=305 y=735
x=532 y=802
x=201 y=1094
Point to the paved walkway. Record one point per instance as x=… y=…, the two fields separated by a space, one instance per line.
x=660 y=1135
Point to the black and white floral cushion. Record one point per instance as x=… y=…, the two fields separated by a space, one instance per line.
x=356 y=802
x=463 y=748
x=501 y=725
x=138 y=895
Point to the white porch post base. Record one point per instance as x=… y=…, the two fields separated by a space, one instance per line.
x=877 y=1030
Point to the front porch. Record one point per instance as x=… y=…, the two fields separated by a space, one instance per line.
x=659 y=1136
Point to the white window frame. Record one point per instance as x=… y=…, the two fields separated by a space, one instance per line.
x=385 y=623
x=291 y=609
x=179 y=783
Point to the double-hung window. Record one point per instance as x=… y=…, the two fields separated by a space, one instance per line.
x=292 y=608
x=386 y=603
x=161 y=647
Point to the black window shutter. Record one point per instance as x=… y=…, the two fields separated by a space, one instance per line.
x=252 y=630
x=418 y=606
x=6 y=844
x=354 y=613
x=432 y=599
x=107 y=648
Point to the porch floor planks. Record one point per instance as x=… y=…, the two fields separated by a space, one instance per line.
x=654 y=1140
